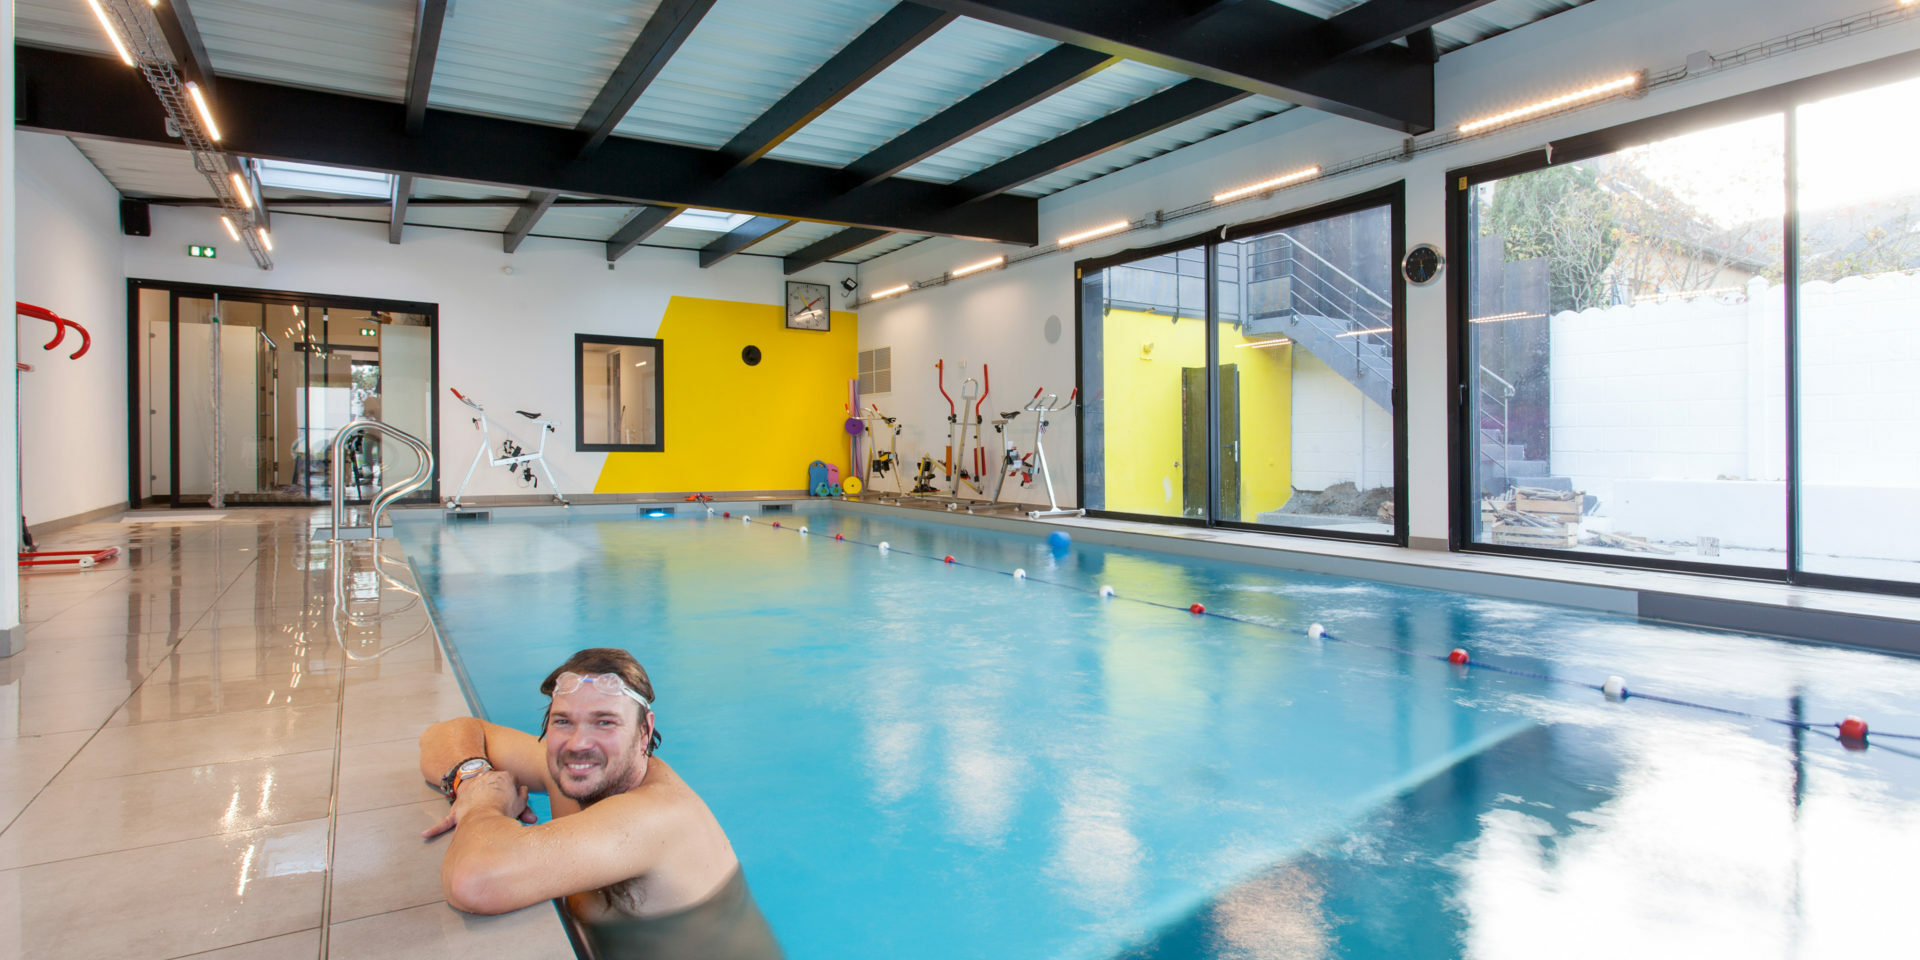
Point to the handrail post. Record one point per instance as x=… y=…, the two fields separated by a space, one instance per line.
x=387 y=494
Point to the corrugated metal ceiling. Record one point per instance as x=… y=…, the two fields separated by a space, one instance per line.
x=742 y=58
x=962 y=58
x=545 y=62
x=532 y=61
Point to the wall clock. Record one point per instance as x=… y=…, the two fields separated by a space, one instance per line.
x=807 y=306
x=1422 y=264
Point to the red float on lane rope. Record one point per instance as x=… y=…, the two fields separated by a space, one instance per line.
x=949 y=558
x=1197 y=608
x=776 y=524
x=1853 y=728
x=839 y=536
x=1458 y=656
x=726 y=514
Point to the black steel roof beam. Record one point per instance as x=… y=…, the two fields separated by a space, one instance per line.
x=891 y=37
x=820 y=251
x=644 y=222
x=1040 y=78
x=1376 y=23
x=1262 y=48
x=1150 y=116
x=1177 y=104
x=529 y=214
x=669 y=27
x=428 y=18
x=402 y=195
x=740 y=238
x=83 y=95
x=183 y=37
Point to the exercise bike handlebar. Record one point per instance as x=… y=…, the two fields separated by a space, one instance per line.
x=941 y=367
x=1048 y=405
x=469 y=401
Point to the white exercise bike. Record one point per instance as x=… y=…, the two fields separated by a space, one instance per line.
x=512 y=456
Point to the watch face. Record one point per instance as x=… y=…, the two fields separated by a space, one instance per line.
x=1422 y=264
x=807 y=306
x=472 y=767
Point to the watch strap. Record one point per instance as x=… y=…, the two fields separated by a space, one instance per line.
x=452 y=779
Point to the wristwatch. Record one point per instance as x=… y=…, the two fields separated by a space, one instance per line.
x=462 y=772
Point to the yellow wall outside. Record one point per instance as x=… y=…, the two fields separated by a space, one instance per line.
x=1143 y=428
x=734 y=427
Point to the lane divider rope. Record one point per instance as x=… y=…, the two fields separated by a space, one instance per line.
x=1851 y=732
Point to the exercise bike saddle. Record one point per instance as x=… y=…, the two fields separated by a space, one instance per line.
x=529 y=416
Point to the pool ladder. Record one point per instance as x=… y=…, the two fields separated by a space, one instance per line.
x=340 y=552
x=421 y=473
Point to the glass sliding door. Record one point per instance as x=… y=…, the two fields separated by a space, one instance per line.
x=1857 y=341
x=1624 y=352
x=1249 y=377
x=1305 y=366
x=1143 y=342
x=262 y=384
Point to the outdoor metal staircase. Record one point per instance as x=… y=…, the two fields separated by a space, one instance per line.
x=1296 y=293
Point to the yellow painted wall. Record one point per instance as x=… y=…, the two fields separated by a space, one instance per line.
x=734 y=427
x=1142 y=357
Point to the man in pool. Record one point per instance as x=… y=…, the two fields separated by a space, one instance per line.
x=639 y=858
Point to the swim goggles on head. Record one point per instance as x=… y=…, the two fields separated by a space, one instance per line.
x=602 y=683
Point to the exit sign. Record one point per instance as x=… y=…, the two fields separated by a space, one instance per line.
x=196 y=250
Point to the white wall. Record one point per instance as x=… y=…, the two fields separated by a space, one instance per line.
x=10 y=641
x=1338 y=434
x=73 y=433
x=997 y=315
x=506 y=339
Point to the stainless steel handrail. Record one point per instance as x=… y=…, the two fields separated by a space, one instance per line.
x=387 y=495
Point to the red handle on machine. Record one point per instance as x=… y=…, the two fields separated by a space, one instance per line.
x=60 y=325
x=941 y=366
x=986 y=387
x=1036 y=393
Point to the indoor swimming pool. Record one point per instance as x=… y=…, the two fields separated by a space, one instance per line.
x=916 y=758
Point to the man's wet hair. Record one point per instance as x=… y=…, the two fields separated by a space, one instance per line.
x=612 y=660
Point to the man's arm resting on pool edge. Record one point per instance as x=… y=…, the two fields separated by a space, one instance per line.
x=494 y=864
x=450 y=741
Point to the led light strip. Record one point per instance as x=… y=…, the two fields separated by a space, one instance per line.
x=1073 y=238
x=972 y=268
x=1503 y=317
x=1615 y=85
x=1265 y=185
x=890 y=292
x=1362 y=333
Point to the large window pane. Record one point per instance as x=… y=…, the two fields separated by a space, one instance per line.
x=1858 y=337
x=1144 y=365
x=1306 y=375
x=1626 y=344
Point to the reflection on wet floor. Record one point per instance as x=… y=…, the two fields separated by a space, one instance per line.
x=194 y=735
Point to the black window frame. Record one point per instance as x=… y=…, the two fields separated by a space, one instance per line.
x=1392 y=196
x=659 y=444
x=1781 y=98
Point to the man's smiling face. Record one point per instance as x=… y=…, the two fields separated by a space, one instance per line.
x=595 y=743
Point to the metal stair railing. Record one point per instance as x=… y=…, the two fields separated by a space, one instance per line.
x=1335 y=308
x=1494 y=429
x=422 y=472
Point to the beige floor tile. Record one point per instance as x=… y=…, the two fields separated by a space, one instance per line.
x=168 y=900
x=437 y=930
x=148 y=747
x=29 y=763
x=397 y=707
x=300 y=945
x=381 y=864
x=39 y=673
x=76 y=624
x=83 y=710
x=376 y=775
x=164 y=700
x=92 y=817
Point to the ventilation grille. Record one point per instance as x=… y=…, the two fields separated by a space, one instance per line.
x=876 y=371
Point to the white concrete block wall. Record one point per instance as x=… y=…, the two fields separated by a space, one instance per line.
x=1339 y=436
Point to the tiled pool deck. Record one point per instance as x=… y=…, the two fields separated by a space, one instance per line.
x=194 y=766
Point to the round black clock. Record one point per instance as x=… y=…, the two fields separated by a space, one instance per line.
x=1422 y=264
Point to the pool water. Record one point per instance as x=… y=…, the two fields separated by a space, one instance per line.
x=917 y=759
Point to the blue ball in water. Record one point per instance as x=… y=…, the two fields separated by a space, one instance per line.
x=1059 y=541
